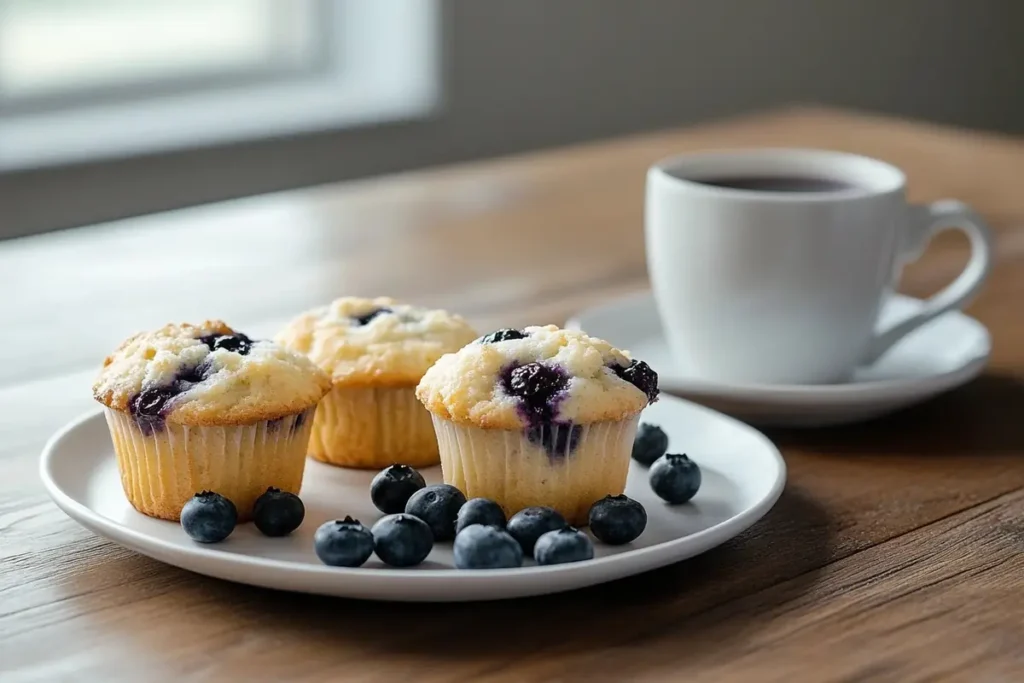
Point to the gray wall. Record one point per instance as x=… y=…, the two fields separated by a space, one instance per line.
x=524 y=74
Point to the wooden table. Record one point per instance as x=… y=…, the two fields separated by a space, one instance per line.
x=895 y=554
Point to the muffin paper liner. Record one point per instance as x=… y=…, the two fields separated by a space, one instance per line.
x=566 y=467
x=373 y=427
x=164 y=468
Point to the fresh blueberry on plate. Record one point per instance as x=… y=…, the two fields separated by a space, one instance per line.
x=616 y=520
x=277 y=512
x=343 y=543
x=402 y=540
x=208 y=517
x=650 y=444
x=486 y=547
x=479 y=511
x=567 y=544
x=527 y=525
x=438 y=506
x=675 y=478
x=391 y=489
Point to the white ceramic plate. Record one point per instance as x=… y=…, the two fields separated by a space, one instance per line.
x=743 y=475
x=946 y=353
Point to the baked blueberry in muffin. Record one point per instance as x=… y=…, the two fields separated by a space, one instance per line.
x=502 y=335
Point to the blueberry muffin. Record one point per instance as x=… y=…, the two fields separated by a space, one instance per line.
x=202 y=407
x=375 y=351
x=541 y=416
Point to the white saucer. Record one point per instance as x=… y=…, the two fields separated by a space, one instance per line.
x=935 y=358
x=743 y=476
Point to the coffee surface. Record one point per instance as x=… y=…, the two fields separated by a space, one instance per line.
x=778 y=183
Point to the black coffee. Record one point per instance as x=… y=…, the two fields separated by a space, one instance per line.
x=778 y=183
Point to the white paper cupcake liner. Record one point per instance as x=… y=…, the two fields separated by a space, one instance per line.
x=162 y=468
x=373 y=427
x=566 y=467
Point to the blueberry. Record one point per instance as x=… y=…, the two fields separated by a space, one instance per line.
x=187 y=377
x=502 y=335
x=277 y=512
x=486 y=547
x=365 y=318
x=640 y=375
x=617 y=519
x=297 y=420
x=567 y=544
x=650 y=444
x=479 y=511
x=391 y=488
x=148 y=407
x=237 y=342
x=343 y=543
x=558 y=439
x=402 y=540
x=538 y=386
x=438 y=506
x=208 y=517
x=675 y=478
x=150 y=402
x=527 y=525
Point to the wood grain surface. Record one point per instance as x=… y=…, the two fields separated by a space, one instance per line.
x=895 y=553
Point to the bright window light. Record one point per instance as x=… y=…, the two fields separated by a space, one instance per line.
x=82 y=80
x=50 y=48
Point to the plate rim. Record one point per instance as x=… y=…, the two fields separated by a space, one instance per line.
x=838 y=394
x=157 y=548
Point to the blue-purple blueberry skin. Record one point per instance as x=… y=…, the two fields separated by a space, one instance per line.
x=343 y=543
x=392 y=487
x=562 y=546
x=529 y=524
x=402 y=540
x=437 y=505
x=208 y=517
x=479 y=546
x=617 y=520
x=675 y=478
x=479 y=511
x=277 y=512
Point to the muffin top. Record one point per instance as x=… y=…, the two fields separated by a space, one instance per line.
x=379 y=342
x=207 y=374
x=517 y=379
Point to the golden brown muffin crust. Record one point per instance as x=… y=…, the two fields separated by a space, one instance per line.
x=209 y=386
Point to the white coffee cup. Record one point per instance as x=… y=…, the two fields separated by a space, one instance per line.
x=759 y=286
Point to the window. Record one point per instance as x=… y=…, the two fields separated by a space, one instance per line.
x=82 y=80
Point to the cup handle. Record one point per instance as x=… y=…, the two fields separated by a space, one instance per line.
x=924 y=223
